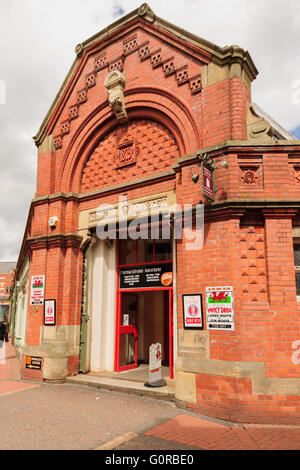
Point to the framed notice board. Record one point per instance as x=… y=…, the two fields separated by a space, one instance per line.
x=192 y=311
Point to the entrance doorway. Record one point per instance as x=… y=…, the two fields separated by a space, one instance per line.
x=144 y=304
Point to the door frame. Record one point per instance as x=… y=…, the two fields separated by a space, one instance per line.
x=117 y=367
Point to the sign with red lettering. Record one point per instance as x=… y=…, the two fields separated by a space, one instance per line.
x=50 y=312
x=37 y=290
x=192 y=311
x=219 y=308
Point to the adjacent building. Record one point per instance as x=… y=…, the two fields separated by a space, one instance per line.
x=6 y=282
x=156 y=124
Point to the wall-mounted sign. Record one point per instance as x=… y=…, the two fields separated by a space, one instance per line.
x=50 y=312
x=33 y=362
x=192 y=311
x=37 y=290
x=219 y=308
x=208 y=183
x=148 y=275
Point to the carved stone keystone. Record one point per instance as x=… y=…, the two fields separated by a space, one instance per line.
x=115 y=83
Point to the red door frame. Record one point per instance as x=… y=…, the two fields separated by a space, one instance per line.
x=118 y=329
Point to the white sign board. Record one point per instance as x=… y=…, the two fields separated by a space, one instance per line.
x=154 y=362
x=219 y=308
x=192 y=311
x=37 y=290
x=50 y=312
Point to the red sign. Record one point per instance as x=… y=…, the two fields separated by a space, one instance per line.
x=208 y=183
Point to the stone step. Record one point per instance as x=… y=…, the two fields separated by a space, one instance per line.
x=125 y=386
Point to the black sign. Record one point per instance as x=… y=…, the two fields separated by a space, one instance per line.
x=148 y=275
x=33 y=362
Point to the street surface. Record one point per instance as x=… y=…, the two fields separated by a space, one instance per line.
x=39 y=416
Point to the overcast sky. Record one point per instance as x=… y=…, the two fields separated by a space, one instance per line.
x=38 y=39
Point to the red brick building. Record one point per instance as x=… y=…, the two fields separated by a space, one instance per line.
x=6 y=283
x=147 y=113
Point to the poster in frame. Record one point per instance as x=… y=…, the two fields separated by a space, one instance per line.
x=192 y=311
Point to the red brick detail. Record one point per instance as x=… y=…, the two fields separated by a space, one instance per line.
x=73 y=111
x=57 y=141
x=232 y=399
x=195 y=84
x=116 y=64
x=156 y=150
x=73 y=365
x=156 y=58
x=90 y=79
x=169 y=66
x=130 y=45
x=182 y=75
x=82 y=96
x=65 y=127
x=126 y=153
x=144 y=51
x=100 y=62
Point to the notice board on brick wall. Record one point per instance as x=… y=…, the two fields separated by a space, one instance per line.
x=219 y=308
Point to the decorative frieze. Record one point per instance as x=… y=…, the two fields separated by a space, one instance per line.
x=144 y=51
x=182 y=75
x=130 y=45
x=156 y=58
x=100 y=62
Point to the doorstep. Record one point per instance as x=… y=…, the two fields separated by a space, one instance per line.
x=125 y=386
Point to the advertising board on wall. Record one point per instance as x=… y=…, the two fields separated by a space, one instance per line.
x=192 y=311
x=219 y=308
x=37 y=290
x=148 y=275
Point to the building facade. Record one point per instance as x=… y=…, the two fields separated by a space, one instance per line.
x=6 y=283
x=151 y=120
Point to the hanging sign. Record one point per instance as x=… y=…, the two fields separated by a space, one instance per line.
x=148 y=275
x=208 y=183
x=219 y=308
x=50 y=312
x=37 y=290
x=192 y=311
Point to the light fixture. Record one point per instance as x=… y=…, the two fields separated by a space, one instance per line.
x=224 y=164
x=195 y=178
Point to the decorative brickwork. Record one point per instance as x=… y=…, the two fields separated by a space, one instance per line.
x=156 y=150
x=100 y=62
x=130 y=45
x=73 y=111
x=90 y=80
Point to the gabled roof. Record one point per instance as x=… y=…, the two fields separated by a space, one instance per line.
x=279 y=132
x=219 y=55
x=7 y=266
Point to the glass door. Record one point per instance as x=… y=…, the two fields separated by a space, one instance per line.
x=128 y=331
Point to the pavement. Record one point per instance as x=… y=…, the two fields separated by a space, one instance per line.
x=69 y=416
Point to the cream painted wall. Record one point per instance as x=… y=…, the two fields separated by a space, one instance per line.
x=102 y=306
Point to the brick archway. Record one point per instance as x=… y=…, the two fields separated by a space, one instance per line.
x=169 y=112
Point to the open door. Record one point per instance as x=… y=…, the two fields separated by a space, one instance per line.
x=128 y=332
